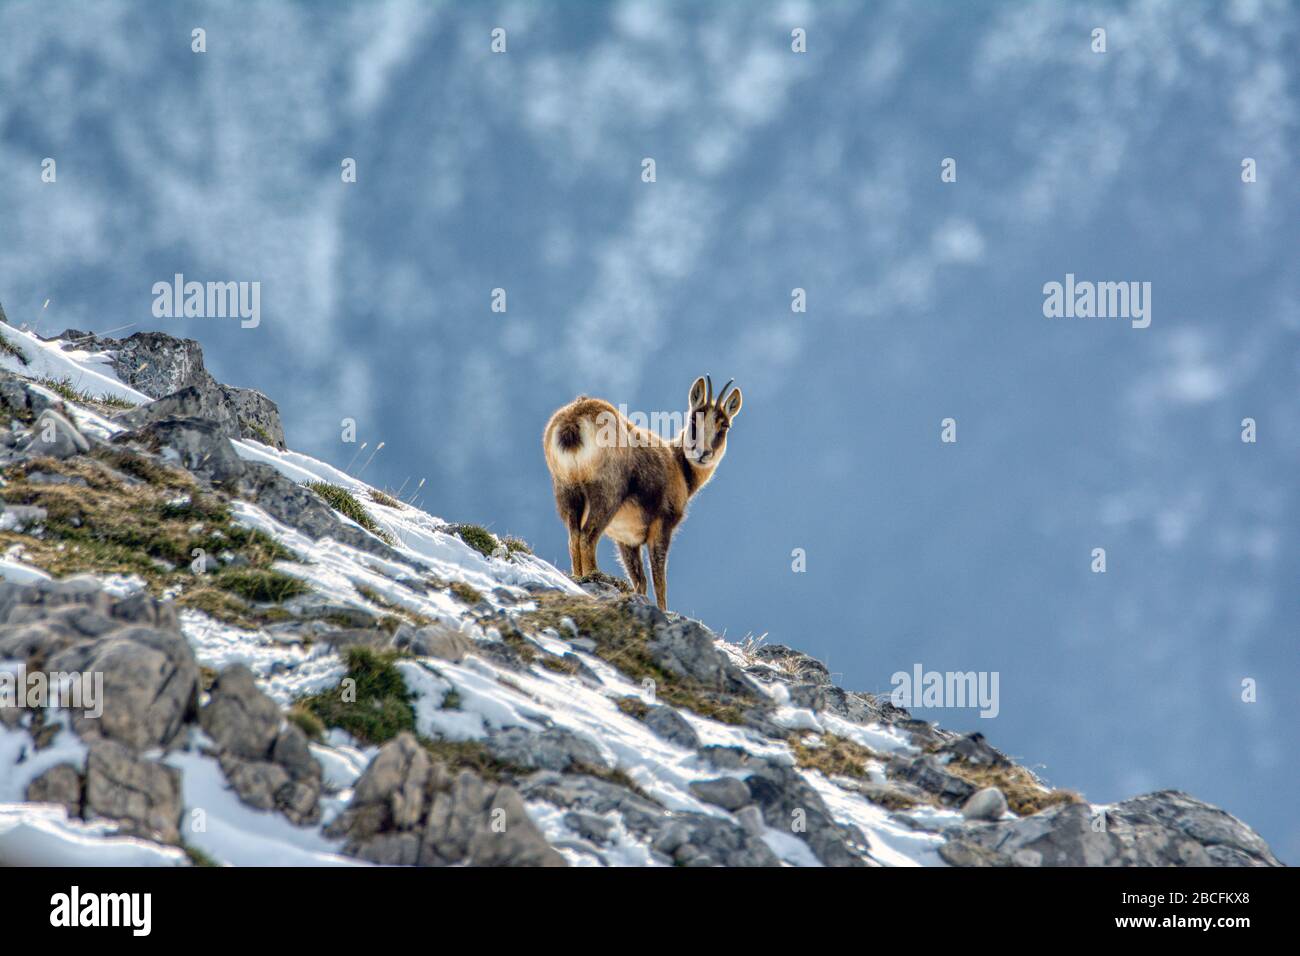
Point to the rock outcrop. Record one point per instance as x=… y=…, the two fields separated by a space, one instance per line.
x=171 y=370
x=408 y=809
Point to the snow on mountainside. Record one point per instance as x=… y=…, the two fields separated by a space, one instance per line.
x=336 y=677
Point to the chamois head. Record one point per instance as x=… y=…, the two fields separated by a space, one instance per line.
x=705 y=438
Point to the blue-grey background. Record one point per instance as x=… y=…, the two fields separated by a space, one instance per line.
x=775 y=171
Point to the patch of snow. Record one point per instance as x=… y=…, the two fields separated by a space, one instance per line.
x=90 y=372
x=23 y=763
x=40 y=834
x=229 y=831
x=12 y=569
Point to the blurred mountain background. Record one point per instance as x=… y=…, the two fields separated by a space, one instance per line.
x=775 y=171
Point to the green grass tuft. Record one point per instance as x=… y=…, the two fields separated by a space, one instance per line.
x=261 y=585
x=372 y=702
x=385 y=499
x=486 y=543
x=466 y=593
x=306 y=721
x=515 y=546
x=65 y=389
x=477 y=537
x=346 y=503
x=197 y=856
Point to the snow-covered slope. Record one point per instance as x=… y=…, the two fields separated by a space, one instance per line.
x=793 y=770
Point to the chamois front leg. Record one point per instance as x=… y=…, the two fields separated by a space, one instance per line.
x=575 y=552
x=660 y=538
x=631 y=557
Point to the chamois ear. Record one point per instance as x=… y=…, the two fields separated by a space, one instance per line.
x=732 y=404
x=699 y=394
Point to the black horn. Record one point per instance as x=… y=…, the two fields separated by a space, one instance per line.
x=708 y=399
x=723 y=394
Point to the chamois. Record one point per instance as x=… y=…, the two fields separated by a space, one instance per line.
x=614 y=478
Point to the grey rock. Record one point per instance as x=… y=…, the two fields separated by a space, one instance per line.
x=589 y=826
x=150 y=685
x=1159 y=829
x=255 y=781
x=258 y=416
x=300 y=508
x=199 y=444
x=154 y=363
x=751 y=820
x=729 y=793
x=373 y=638
x=161 y=365
x=666 y=722
x=292 y=751
x=24 y=517
x=716 y=839
x=986 y=804
x=60 y=784
x=266 y=785
x=796 y=664
x=1226 y=840
x=406 y=810
x=314 y=606
x=392 y=794
x=268 y=766
x=142 y=796
x=46 y=617
x=791 y=805
x=673 y=836
x=56 y=437
x=437 y=640
x=479 y=824
x=859 y=708
x=928 y=774
x=688 y=649
x=193 y=401
x=552 y=749
x=241 y=720
x=975 y=750
x=21 y=399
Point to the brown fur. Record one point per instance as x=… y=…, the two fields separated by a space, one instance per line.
x=613 y=478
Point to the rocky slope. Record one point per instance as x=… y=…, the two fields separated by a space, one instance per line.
x=300 y=669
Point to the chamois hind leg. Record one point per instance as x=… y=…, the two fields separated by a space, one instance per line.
x=660 y=538
x=600 y=512
x=631 y=558
x=571 y=504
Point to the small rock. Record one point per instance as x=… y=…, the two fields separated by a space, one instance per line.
x=441 y=641
x=150 y=682
x=240 y=719
x=553 y=749
x=142 y=796
x=751 y=820
x=726 y=792
x=60 y=784
x=56 y=437
x=589 y=826
x=199 y=444
x=986 y=804
x=665 y=722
